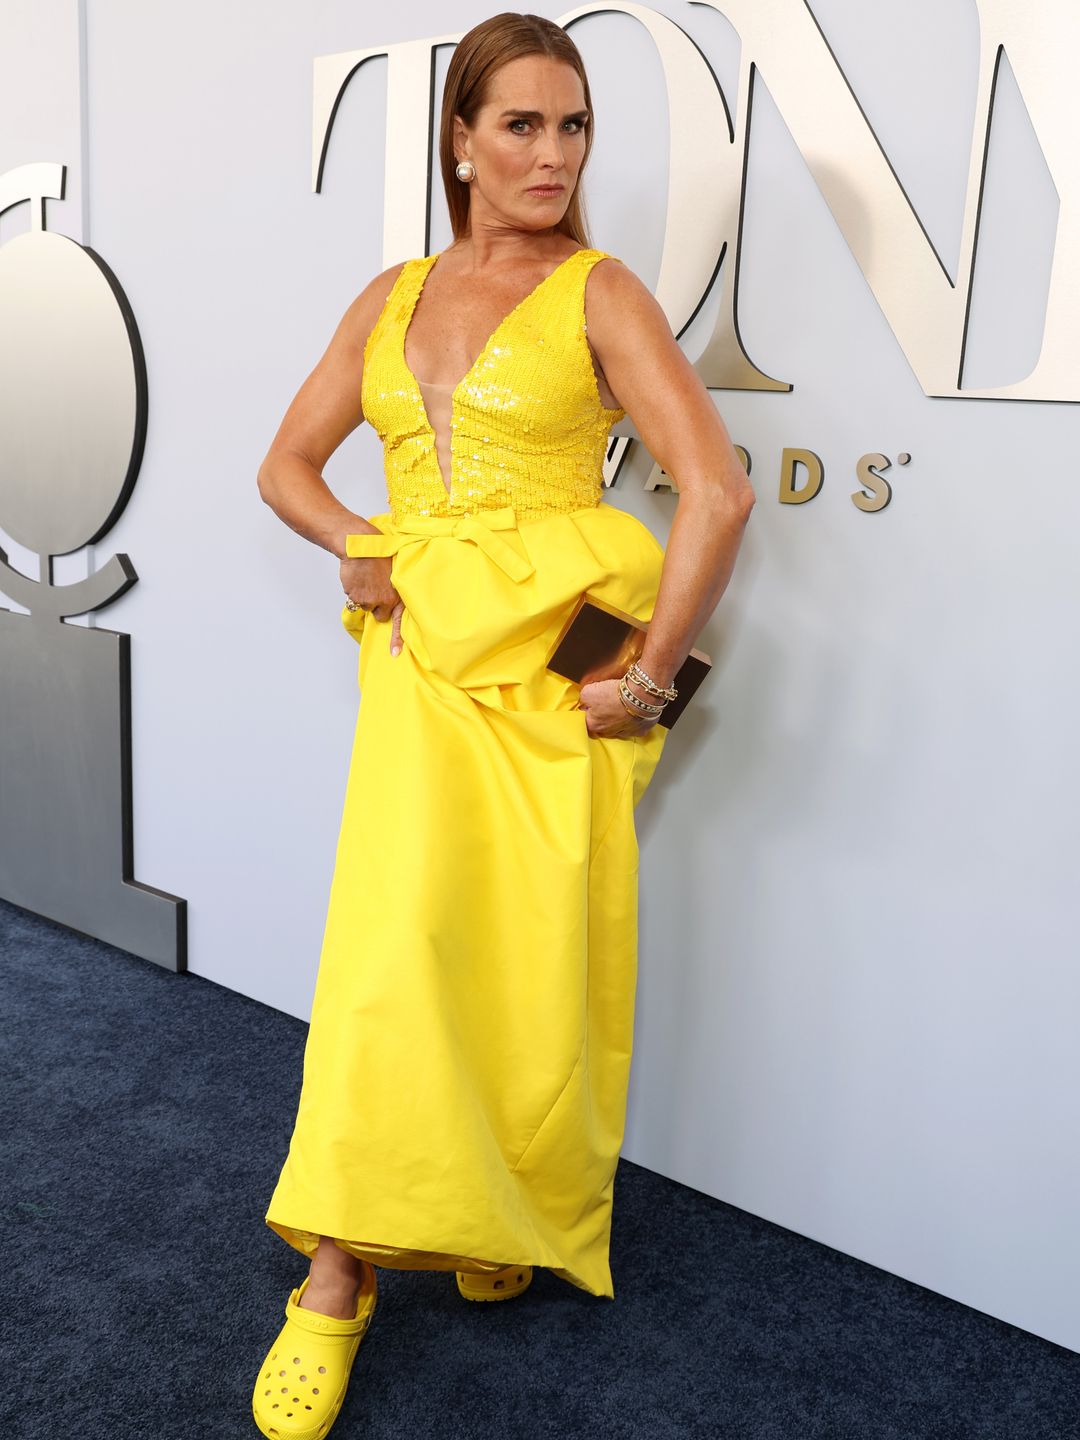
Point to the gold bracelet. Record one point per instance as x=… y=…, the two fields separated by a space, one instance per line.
x=635 y=672
x=636 y=714
x=632 y=703
x=638 y=699
x=635 y=705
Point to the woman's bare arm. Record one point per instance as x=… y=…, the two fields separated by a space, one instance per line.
x=325 y=409
x=680 y=427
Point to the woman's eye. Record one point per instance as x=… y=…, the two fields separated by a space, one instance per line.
x=578 y=125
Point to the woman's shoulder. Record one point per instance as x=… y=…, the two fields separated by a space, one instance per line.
x=377 y=291
x=366 y=309
x=611 y=270
x=611 y=284
x=622 y=315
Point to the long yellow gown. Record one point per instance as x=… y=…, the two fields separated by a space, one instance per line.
x=465 y=1074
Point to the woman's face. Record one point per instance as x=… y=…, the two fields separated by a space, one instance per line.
x=514 y=152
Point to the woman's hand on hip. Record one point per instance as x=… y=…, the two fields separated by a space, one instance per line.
x=366 y=582
x=605 y=714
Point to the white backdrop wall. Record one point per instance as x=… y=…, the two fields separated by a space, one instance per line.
x=858 y=995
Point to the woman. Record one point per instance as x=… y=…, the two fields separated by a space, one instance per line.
x=466 y=1068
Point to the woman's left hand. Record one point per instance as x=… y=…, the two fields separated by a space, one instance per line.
x=605 y=714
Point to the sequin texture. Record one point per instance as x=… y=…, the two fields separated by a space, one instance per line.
x=527 y=426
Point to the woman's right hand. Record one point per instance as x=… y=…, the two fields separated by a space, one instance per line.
x=366 y=581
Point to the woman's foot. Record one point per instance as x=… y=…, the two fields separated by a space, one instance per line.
x=301 y=1383
x=334 y=1281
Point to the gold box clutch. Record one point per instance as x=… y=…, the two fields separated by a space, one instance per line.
x=599 y=642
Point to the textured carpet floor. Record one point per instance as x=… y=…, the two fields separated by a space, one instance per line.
x=146 y=1118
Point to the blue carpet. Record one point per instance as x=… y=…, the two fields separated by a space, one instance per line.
x=146 y=1118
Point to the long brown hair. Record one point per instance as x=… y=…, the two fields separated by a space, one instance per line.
x=479 y=53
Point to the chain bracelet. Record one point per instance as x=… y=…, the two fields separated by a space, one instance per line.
x=634 y=705
x=635 y=672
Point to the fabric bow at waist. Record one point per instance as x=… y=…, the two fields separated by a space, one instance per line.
x=479 y=527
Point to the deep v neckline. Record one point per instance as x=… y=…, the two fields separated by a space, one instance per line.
x=488 y=343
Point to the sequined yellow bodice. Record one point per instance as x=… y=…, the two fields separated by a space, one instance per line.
x=527 y=425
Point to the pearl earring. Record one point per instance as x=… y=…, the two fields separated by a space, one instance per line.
x=466 y=170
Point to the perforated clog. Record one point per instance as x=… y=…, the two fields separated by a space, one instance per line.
x=304 y=1377
x=501 y=1284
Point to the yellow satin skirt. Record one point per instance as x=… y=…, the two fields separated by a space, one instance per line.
x=465 y=1075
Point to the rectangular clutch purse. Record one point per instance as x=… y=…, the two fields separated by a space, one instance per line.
x=599 y=641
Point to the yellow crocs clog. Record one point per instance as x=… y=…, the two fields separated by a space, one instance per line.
x=303 y=1379
x=501 y=1284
